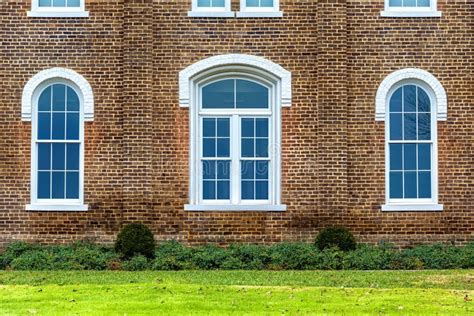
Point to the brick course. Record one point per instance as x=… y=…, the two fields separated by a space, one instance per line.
x=136 y=154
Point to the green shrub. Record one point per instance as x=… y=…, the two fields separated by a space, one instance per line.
x=293 y=256
x=135 y=239
x=209 y=257
x=32 y=260
x=14 y=250
x=438 y=256
x=246 y=257
x=92 y=257
x=171 y=255
x=337 y=236
x=369 y=258
x=137 y=263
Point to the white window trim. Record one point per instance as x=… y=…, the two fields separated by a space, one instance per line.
x=58 y=12
x=254 y=12
x=432 y=11
x=413 y=204
x=190 y=80
x=211 y=12
x=32 y=90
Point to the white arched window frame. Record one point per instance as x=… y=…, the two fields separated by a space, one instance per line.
x=30 y=100
x=438 y=112
x=214 y=69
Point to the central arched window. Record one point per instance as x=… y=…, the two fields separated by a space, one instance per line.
x=235 y=119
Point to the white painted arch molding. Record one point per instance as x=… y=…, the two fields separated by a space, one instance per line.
x=186 y=75
x=406 y=74
x=61 y=73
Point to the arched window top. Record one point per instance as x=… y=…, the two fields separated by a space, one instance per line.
x=415 y=76
x=229 y=64
x=63 y=75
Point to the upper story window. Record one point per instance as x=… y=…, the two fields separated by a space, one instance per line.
x=58 y=8
x=411 y=144
x=57 y=101
x=411 y=8
x=211 y=8
x=234 y=133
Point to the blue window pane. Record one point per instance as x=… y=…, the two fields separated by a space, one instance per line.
x=410 y=185
x=209 y=190
x=72 y=155
x=409 y=3
x=73 y=3
x=424 y=185
x=252 y=3
x=59 y=97
x=395 y=126
x=218 y=3
x=204 y=3
x=209 y=127
x=59 y=3
x=44 y=126
x=247 y=190
x=409 y=155
x=45 y=3
x=44 y=156
x=209 y=147
x=44 y=102
x=261 y=127
x=396 y=185
x=223 y=169
x=261 y=190
x=395 y=3
x=58 y=156
x=223 y=147
x=209 y=169
x=58 y=126
x=424 y=126
x=261 y=148
x=424 y=104
x=218 y=95
x=223 y=190
x=248 y=147
x=72 y=185
x=72 y=99
x=248 y=127
x=396 y=101
x=251 y=95
x=266 y=3
x=409 y=98
x=57 y=187
x=424 y=157
x=261 y=170
x=409 y=126
x=396 y=157
x=223 y=127
x=423 y=3
x=44 y=185
x=72 y=126
x=247 y=170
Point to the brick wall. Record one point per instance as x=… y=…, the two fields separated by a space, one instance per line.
x=332 y=148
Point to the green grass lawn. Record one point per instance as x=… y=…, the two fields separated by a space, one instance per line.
x=238 y=292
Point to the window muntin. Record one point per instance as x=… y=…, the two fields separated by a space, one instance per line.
x=211 y=6
x=235 y=136
x=259 y=5
x=57 y=146
x=211 y=3
x=411 y=145
x=59 y=3
x=411 y=8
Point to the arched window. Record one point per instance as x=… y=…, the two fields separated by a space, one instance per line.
x=235 y=135
x=57 y=152
x=411 y=147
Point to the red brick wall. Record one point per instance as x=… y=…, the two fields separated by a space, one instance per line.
x=332 y=152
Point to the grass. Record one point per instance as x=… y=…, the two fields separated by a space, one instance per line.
x=238 y=292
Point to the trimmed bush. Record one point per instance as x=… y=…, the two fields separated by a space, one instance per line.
x=137 y=263
x=171 y=255
x=209 y=257
x=135 y=239
x=246 y=257
x=293 y=256
x=336 y=236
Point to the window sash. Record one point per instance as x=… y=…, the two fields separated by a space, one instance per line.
x=35 y=7
x=245 y=8
x=433 y=7
x=196 y=8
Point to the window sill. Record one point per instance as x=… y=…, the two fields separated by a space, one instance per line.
x=57 y=207
x=210 y=14
x=55 y=14
x=237 y=208
x=271 y=14
x=412 y=207
x=411 y=14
